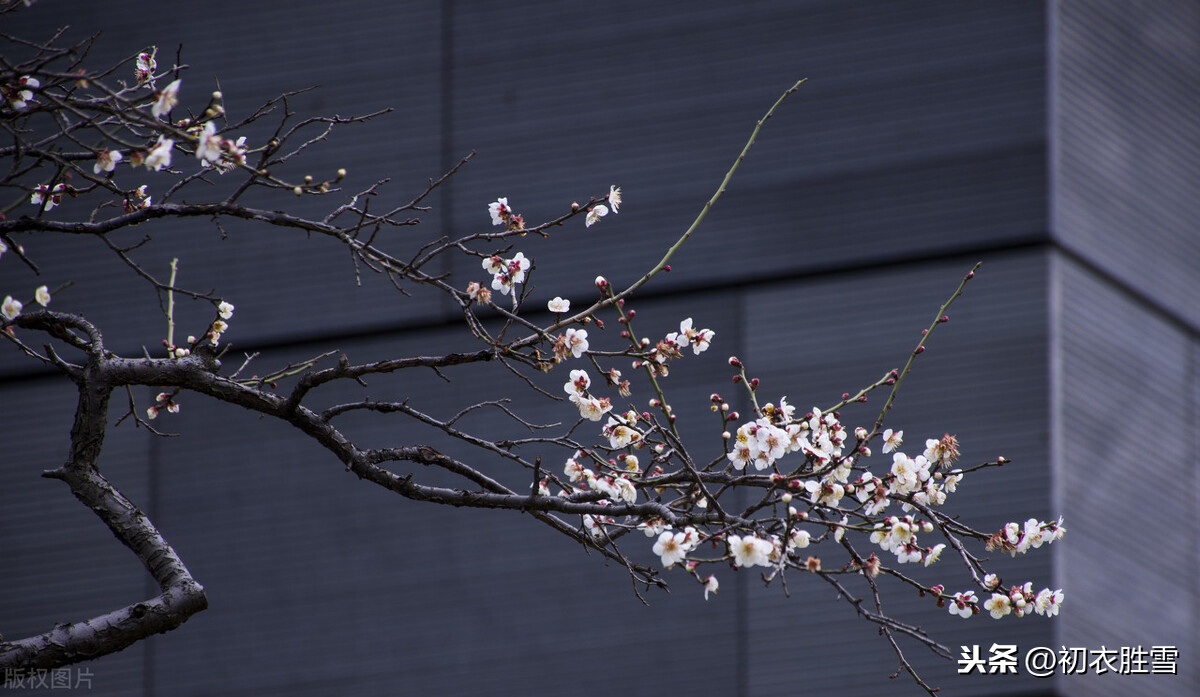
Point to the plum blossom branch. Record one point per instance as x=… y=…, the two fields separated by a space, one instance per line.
x=783 y=482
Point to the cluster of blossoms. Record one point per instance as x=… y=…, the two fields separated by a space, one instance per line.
x=46 y=197
x=615 y=487
x=672 y=345
x=143 y=69
x=161 y=402
x=621 y=430
x=502 y=214
x=899 y=536
x=1019 y=601
x=506 y=273
x=777 y=432
x=1016 y=538
x=221 y=153
x=590 y=408
x=11 y=308
x=598 y=211
x=822 y=475
x=921 y=479
x=698 y=339
x=211 y=150
x=220 y=326
x=19 y=95
x=140 y=199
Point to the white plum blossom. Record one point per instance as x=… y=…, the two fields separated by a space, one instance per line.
x=619 y=435
x=760 y=442
x=614 y=198
x=1047 y=602
x=941 y=452
x=828 y=493
x=772 y=444
x=671 y=547
x=624 y=490
x=892 y=440
x=506 y=272
x=699 y=339
x=750 y=550
x=900 y=532
x=908 y=474
x=165 y=100
x=145 y=67
x=998 y=605
x=478 y=293
x=934 y=552
x=106 y=161
x=962 y=603
x=559 y=305
x=593 y=526
x=11 y=308
x=578 y=383
x=162 y=401
x=218 y=328
x=494 y=264
x=596 y=213
x=576 y=341
x=573 y=469
x=160 y=155
x=20 y=95
x=42 y=295
x=798 y=539
x=591 y=408
x=499 y=211
x=225 y=310
x=44 y=194
x=710 y=586
x=652 y=527
x=741 y=455
x=908 y=554
x=208 y=147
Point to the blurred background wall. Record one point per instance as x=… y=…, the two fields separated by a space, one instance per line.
x=1054 y=141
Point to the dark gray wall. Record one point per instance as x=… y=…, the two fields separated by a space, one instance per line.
x=930 y=136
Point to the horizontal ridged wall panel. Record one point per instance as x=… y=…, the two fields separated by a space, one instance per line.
x=1127 y=184
x=1128 y=425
